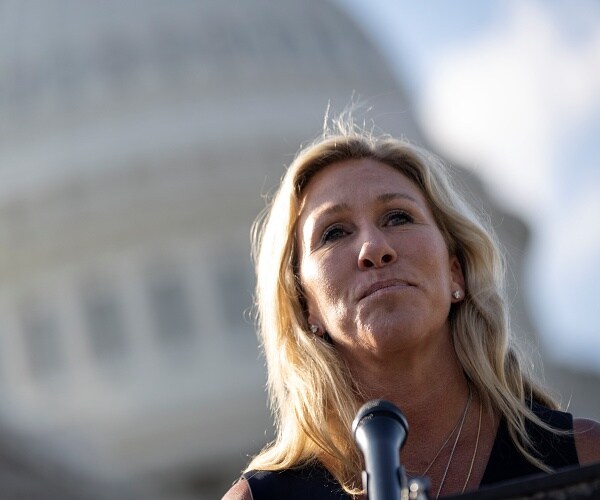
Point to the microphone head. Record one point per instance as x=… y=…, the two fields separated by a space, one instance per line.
x=378 y=408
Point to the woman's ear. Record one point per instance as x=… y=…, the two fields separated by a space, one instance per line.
x=457 y=276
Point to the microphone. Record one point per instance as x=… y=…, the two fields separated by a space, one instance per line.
x=380 y=430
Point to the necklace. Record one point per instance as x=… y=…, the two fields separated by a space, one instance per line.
x=460 y=419
x=462 y=423
x=474 y=452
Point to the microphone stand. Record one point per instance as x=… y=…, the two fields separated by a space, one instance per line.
x=380 y=430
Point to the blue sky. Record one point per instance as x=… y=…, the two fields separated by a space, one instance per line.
x=511 y=89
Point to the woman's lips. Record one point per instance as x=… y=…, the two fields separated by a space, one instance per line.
x=381 y=285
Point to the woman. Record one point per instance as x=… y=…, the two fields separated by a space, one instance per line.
x=375 y=280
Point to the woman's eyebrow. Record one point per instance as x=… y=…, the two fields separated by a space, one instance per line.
x=385 y=197
x=332 y=209
x=382 y=198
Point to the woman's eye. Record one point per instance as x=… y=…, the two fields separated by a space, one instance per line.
x=397 y=218
x=333 y=233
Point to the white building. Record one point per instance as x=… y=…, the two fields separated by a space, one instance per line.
x=136 y=138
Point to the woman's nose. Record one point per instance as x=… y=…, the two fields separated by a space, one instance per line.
x=376 y=252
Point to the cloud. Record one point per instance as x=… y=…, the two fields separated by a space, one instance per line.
x=502 y=103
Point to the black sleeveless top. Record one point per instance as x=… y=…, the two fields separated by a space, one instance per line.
x=314 y=482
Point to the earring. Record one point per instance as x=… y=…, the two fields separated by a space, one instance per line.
x=314 y=329
x=456 y=294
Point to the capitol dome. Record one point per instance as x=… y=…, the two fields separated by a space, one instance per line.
x=136 y=141
x=118 y=79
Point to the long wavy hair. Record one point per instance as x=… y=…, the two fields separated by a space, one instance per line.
x=312 y=395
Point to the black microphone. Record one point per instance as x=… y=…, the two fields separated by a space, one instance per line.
x=380 y=429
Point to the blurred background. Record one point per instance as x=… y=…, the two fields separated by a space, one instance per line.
x=138 y=139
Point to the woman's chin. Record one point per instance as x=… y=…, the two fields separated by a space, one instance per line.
x=396 y=335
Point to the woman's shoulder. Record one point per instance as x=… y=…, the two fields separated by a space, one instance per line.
x=310 y=481
x=586 y=432
x=239 y=491
x=587 y=440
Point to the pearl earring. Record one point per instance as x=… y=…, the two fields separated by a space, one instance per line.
x=314 y=329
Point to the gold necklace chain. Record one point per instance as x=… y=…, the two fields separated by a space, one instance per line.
x=462 y=423
x=446 y=440
x=472 y=458
x=474 y=451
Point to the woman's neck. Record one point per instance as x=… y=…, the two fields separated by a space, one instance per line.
x=428 y=386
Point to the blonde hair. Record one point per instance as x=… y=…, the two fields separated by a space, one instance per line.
x=312 y=395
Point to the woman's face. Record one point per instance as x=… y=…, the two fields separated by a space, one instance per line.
x=374 y=266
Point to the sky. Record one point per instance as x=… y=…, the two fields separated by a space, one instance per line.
x=511 y=90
